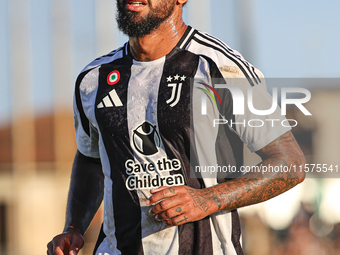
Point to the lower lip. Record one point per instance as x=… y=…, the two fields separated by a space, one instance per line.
x=132 y=8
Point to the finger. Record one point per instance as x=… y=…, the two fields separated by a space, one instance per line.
x=162 y=193
x=76 y=244
x=50 y=248
x=58 y=247
x=55 y=248
x=60 y=251
x=165 y=205
x=179 y=220
x=169 y=214
x=153 y=191
x=73 y=252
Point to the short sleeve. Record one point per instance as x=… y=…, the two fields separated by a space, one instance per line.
x=87 y=136
x=260 y=121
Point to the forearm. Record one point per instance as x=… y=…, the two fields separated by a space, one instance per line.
x=180 y=204
x=85 y=194
x=256 y=187
x=247 y=191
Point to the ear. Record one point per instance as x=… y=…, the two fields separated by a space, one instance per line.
x=182 y=1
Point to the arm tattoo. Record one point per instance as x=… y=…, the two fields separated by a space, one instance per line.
x=258 y=187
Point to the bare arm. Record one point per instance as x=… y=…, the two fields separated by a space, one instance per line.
x=258 y=187
x=186 y=204
x=85 y=194
x=84 y=198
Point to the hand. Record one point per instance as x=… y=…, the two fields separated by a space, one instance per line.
x=68 y=243
x=181 y=204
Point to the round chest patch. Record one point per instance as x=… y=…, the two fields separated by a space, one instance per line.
x=113 y=77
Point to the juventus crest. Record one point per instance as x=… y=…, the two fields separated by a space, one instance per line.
x=175 y=82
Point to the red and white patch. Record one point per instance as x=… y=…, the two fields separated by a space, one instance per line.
x=113 y=77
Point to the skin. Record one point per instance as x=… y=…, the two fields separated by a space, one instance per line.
x=161 y=41
x=181 y=204
x=84 y=198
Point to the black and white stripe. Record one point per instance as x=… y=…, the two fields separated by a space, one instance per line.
x=232 y=54
x=148 y=92
x=183 y=43
x=212 y=42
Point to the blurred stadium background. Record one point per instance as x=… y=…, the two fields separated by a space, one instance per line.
x=43 y=46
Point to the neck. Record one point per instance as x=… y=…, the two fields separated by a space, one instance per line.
x=159 y=42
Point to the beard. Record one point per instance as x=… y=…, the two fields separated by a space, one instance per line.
x=133 y=25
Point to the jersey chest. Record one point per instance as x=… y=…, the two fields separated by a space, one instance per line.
x=153 y=95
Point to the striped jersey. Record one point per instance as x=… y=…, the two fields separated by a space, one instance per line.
x=164 y=123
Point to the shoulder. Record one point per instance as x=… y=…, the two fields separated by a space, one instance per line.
x=229 y=61
x=108 y=58
x=91 y=70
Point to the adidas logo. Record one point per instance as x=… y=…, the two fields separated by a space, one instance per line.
x=110 y=100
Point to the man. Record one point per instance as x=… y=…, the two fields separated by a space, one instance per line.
x=141 y=134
